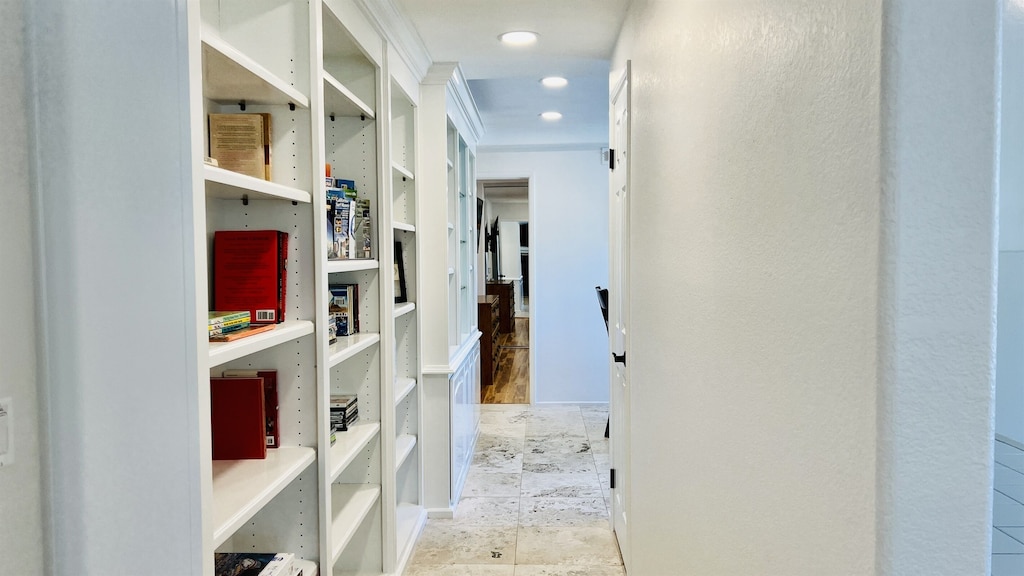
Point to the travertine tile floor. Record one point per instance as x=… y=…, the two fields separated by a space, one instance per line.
x=536 y=500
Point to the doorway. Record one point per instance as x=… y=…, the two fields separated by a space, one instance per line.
x=507 y=276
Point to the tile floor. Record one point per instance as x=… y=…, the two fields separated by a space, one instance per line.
x=536 y=499
x=1008 y=512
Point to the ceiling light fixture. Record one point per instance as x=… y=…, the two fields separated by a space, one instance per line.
x=551 y=116
x=518 y=38
x=554 y=82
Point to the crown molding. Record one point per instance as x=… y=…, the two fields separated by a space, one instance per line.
x=399 y=32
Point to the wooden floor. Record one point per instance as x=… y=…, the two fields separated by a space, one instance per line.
x=512 y=382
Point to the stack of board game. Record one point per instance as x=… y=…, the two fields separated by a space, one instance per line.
x=227 y=322
x=255 y=564
x=344 y=412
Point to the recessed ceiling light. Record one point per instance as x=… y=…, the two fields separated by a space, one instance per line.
x=551 y=116
x=554 y=82
x=519 y=38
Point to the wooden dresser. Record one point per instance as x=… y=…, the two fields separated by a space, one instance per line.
x=487 y=311
x=506 y=293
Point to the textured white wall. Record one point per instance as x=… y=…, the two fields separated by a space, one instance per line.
x=935 y=426
x=20 y=494
x=112 y=132
x=1010 y=341
x=819 y=352
x=569 y=256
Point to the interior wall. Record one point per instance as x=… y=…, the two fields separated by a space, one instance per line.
x=754 y=267
x=823 y=360
x=1010 y=323
x=111 y=137
x=569 y=255
x=21 y=497
x=510 y=211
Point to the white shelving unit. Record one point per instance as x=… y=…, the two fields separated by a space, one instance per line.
x=449 y=127
x=338 y=93
x=405 y=491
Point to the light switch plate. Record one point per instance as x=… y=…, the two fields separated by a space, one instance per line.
x=6 y=426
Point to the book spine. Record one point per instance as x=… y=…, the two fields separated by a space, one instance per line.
x=235 y=322
x=228 y=329
x=222 y=317
x=282 y=269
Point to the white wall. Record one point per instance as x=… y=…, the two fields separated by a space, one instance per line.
x=510 y=211
x=1010 y=341
x=569 y=256
x=762 y=376
x=935 y=425
x=112 y=137
x=20 y=495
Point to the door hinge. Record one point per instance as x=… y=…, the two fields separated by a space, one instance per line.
x=612 y=482
x=611 y=158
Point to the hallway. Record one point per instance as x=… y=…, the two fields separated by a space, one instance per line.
x=535 y=502
x=512 y=382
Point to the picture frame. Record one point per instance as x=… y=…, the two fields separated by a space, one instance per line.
x=401 y=295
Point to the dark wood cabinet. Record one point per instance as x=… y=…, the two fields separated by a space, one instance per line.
x=487 y=310
x=506 y=293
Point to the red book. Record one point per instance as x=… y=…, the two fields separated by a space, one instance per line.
x=282 y=267
x=238 y=418
x=269 y=377
x=249 y=273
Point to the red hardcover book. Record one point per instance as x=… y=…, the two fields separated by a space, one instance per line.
x=248 y=273
x=238 y=418
x=273 y=433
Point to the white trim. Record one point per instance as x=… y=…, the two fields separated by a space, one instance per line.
x=575 y=147
x=1010 y=441
x=398 y=32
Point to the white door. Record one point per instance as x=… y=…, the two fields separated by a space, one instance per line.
x=511 y=262
x=618 y=312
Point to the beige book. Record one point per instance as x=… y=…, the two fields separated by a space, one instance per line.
x=237 y=143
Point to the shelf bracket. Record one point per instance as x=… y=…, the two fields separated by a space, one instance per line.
x=245 y=199
x=620 y=358
x=241 y=104
x=403 y=178
x=294 y=203
x=291 y=106
x=362 y=117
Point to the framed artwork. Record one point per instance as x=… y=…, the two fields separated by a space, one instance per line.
x=400 y=292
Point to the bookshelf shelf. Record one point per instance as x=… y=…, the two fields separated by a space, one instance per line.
x=349 y=444
x=404 y=308
x=404 y=445
x=308 y=567
x=223 y=352
x=242 y=487
x=341 y=101
x=409 y=519
x=403 y=226
x=348 y=346
x=221 y=183
x=337 y=266
x=229 y=76
x=402 y=171
x=403 y=386
x=351 y=504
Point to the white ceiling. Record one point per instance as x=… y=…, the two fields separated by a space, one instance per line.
x=576 y=38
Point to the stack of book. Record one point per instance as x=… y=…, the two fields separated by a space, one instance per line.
x=348 y=222
x=227 y=322
x=255 y=564
x=342 y=311
x=344 y=412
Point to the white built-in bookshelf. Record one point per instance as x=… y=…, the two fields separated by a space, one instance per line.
x=448 y=120
x=337 y=93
